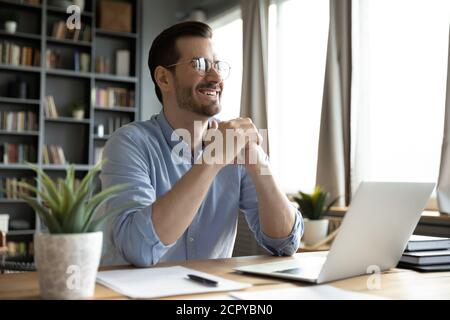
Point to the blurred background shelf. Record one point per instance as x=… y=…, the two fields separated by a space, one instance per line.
x=70 y=68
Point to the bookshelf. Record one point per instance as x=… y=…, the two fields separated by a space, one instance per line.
x=72 y=77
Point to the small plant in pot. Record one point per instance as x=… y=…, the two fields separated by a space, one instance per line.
x=313 y=207
x=68 y=255
x=10 y=21
x=78 y=111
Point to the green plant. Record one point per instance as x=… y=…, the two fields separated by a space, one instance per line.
x=67 y=208
x=313 y=206
x=77 y=107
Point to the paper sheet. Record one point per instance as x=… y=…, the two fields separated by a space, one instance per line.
x=320 y=292
x=161 y=282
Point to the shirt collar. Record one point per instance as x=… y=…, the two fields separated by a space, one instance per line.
x=173 y=139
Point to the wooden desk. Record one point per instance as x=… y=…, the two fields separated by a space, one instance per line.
x=395 y=283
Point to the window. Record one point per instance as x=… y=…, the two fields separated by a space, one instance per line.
x=298 y=34
x=400 y=72
x=227 y=37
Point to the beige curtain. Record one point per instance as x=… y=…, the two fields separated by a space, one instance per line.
x=255 y=16
x=443 y=188
x=333 y=164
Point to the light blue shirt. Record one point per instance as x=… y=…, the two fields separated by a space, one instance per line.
x=140 y=154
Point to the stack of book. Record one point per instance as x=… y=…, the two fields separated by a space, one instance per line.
x=18 y=121
x=81 y=61
x=14 y=54
x=102 y=64
x=50 y=110
x=52 y=59
x=17 y=153
x=113 y=97
x=10 y=186
x=115 y=123
x=60 y=31
x=426 y=254
x=53 y=154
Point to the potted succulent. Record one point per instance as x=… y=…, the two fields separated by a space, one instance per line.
x=68 y=255
x=78 y=111
x=313 y=207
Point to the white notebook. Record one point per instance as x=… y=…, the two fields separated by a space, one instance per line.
x=162 y=282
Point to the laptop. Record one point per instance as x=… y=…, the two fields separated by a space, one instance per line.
x=372 y=236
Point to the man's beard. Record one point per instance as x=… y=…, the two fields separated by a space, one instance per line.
x=186 y=101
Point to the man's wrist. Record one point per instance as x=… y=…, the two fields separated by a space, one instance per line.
x=210 y=168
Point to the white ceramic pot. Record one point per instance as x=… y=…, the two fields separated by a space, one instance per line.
x=67 y=264
x=78 y=114
x=315 y=231
x=10 y=26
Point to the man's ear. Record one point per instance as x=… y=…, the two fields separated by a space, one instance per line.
x=163 y=78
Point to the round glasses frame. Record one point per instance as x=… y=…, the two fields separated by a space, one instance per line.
x=221 y=67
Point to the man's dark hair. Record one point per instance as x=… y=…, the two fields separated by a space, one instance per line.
x=164 y=51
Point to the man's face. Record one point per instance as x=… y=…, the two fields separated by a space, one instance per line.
x=195 y=92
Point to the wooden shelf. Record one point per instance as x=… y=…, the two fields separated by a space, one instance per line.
x=20 y=101
x=68 y=73
x=115 y=109
x=112 y=77
x=68 y=120
x=116 y=34
x=20 y=68
x=19 y=133
x=20 y=35
x=69 y=42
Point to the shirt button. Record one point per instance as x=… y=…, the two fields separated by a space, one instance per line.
x=191 y=239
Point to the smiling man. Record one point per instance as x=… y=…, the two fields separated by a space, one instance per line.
x=189 y=209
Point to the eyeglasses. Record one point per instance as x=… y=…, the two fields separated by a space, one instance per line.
x=204 y=65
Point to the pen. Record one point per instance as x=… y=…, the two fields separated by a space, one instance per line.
x=203 y=280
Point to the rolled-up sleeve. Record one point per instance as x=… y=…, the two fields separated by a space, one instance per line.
x=132 y=232
x=248 y=204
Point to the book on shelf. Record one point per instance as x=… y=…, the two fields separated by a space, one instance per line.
x=82 y=61
x=421 y=243
x=53 y=154
x=115 y=123
x=9 y=187
x=113 y=97
x=60 y=31
x=16 y=55
x=425 y=268
x=123 y=63
x=20 y=248
x=18 y=121
x=429 y=257
x=98 y=153
x=50 y=110
x=52 y=59
x=17 y=153
x=102 y=64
